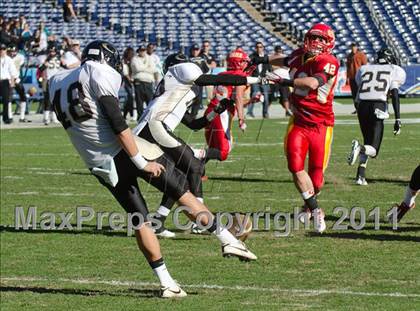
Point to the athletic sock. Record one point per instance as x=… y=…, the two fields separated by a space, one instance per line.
x=224 y=236
x=159 y=268
x=22 y=110
x=410 y=196
x=369 y=150
x=362 y=166
x=163 y=211
x=310 y=199
x=46 y=116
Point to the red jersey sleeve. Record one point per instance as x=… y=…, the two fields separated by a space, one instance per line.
x=326 y=66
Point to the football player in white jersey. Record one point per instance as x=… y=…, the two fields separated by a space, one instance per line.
x=174 y=95
x=86 y=102
x=375 y=83
x=49 y=68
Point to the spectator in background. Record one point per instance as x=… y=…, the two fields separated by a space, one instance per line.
x=150 y=49
x=48 y=69
x=68 y=12
x=7 y=82
x=129 y=106
x=281 y=92
x=143 y=71
x=18 y=60
x=200 y=61
x=260 y=71
x=43 y=36
x=5 y=36
x=355 y=59
x=211 y=63
x=71 y=59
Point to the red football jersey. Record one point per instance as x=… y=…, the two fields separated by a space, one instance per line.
x=314 y=106
x=225 y=91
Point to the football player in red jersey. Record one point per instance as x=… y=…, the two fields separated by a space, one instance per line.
x=218 y=132
x=313 y=76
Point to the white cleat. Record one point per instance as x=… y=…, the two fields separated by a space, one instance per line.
x=361 y=181
x=195 y=229
x=319 y=221
x=166 y=234
x=239 y=250
x=172 y=292
x=354 y=154
x=304 y=215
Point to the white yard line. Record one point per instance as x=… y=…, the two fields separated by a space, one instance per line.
x=298 y=292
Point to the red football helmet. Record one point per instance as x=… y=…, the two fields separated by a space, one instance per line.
x=313 y=45
x=237 y=60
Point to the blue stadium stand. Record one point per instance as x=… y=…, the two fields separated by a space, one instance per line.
x=352 y=21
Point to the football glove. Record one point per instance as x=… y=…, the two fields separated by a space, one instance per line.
x=397 y=127
x=224 y=104
x=274 y=78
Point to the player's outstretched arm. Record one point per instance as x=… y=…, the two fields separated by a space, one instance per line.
x=396 y=105
x=227 y=79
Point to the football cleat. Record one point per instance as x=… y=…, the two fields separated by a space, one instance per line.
x=361 y=181
x=239 y=250
x=172 y=292
x=305 y=213
x=355 y=150
x=195 y=229
x=165 y=233
x=319 y=221
x=402 y=209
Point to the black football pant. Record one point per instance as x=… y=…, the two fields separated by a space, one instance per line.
x=372 y=128
x=415 y=179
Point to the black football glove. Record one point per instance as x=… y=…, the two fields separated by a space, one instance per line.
x=224 y=104
x=397 y=127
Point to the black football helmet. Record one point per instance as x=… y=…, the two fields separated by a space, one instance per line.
x=174 y=59
x=385 y=56
x=102 y=52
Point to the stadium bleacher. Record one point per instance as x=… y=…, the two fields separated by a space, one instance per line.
x=352 y=21
x=177 y=24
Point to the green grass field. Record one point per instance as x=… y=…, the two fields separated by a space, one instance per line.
x=93 y=269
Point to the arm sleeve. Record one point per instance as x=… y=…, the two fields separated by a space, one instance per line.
x=112 y=112
x=194 y=124
x=221 y=80
x=395 y=102
x=398 y=78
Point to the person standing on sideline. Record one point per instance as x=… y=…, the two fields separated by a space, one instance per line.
x=277 y=91
x=260 y=71
x=211 y=63
x=355 y=60
x=19 y=60
x=143 y=71
x=129 y=107
x=8 y=77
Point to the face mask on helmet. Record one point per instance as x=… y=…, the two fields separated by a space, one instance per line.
x=237 y=60
x=173 y=59
x=385 y=56
x=102 y=52
x=319 y=39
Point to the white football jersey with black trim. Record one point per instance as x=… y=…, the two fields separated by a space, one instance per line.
x=75 y=94
x=376 y=80
x=173 y=96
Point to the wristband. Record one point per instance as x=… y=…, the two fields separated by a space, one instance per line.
x=139 y=161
